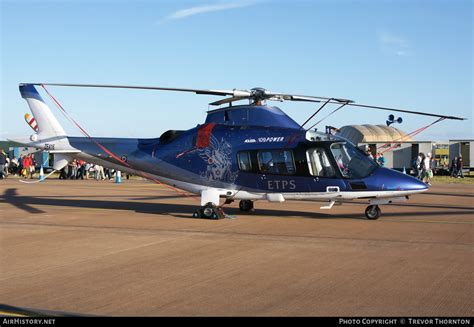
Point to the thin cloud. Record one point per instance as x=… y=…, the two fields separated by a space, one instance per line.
x=202 y=9
x=393 y=44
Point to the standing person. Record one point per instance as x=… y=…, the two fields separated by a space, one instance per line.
x=454 y=164
x=74 y=169
x=99 y=172
x=78 y=171
x=108 y=174
x=62 y=173
x=419 y=162
x=433 y=165
x=415 y=166
x=81 y=166
x=6 y=170
x=369 y=153
x=3 y=161
x=20 y=165
x=381 y=159
x=428 y=173
x=33 y=166
x=27 y=163
x=69 y=170
x=14 y=165
x=83 y=169
x=88 y=169
x=459 y=165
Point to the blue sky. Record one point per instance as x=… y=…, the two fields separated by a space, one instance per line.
x=414 y=54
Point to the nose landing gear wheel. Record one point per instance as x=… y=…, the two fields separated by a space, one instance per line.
x=245 y=205
x=373 y=212
x=209 y=211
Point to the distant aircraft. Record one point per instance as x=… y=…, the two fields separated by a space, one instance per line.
x=241 y=152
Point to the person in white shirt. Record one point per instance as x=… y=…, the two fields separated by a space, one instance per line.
x=428 y=173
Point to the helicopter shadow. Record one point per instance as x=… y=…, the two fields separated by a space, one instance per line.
x=27 y=203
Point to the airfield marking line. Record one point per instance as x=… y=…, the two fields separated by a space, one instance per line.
x=244 y=235
x=428 y=221
x=76 y=209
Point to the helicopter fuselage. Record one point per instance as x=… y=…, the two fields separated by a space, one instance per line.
x=250 y=162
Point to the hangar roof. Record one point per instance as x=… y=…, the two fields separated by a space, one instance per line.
x=372 y=133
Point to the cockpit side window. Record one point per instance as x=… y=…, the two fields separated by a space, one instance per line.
x=279 y=162
x=318 y=163
x=245 y=163
x=352 y=162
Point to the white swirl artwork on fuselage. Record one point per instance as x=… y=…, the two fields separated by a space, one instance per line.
x=219 y=161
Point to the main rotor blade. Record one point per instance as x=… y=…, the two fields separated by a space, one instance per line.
x=243 y=94
x=228 y=100
x=197 y=91
x=314 y=98
x=306 y=98
x=405 y=111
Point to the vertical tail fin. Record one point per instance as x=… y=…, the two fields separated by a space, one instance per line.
x=48 y=125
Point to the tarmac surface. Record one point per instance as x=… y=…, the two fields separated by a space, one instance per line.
x=132 y=249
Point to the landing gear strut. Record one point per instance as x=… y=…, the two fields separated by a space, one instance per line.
x=373 y=212
x=245 y=205
x=209 y=211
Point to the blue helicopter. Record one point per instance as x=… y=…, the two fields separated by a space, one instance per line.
x=241 y=152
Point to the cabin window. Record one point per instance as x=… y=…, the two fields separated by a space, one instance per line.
x=245 y=164
x=276 y=162
x=318 y=163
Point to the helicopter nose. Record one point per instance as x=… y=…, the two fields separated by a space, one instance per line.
x=412 y=184
x=409 y=183
x=389 y=179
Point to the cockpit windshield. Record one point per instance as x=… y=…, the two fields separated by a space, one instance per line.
x=352 y=162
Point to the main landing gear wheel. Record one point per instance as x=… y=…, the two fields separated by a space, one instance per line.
x=209 y=211
x=245 y=205
x=373 y=212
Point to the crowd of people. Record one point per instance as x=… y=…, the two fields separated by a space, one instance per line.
x=455 y=170
x=79 y=169
x=378 y=157
x=26 y=167
x=424 y=167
